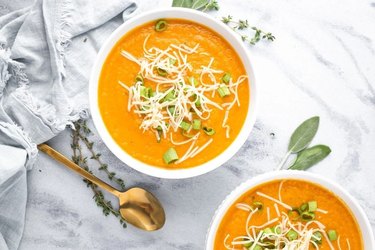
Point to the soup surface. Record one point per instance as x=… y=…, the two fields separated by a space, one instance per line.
x=288 y=214
x=173 y=93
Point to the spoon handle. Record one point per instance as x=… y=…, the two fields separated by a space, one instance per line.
x=64 y=160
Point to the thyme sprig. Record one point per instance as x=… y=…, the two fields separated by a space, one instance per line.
x=80 y=134
x=243 y=25
x=207 y=5
x=96 y=156
x=212 y=5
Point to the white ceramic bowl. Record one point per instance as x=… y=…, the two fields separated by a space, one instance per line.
x=194 y=16
x=363 y=222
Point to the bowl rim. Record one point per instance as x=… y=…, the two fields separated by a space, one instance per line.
x=216 y=26
x=349 y=200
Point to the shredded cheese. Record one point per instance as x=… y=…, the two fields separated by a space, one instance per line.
x=278 y=237
x=174 y=90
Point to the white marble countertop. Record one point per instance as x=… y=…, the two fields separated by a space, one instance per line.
x=322 y=63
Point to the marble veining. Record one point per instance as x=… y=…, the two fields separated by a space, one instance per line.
x=321 y=63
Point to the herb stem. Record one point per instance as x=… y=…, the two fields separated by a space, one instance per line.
x=79 y=158
x=95 y=156
x=283 y=160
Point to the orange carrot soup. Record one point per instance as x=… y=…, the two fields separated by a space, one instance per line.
x=288 y=214
x=173 y=93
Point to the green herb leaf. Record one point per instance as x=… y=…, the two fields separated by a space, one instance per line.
x=198 y=4
x=182 y=3
x=203 y=5
x=310 y=157
x=303 y=135
x=212 y=5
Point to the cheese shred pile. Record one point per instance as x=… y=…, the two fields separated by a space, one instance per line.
x=180 y=96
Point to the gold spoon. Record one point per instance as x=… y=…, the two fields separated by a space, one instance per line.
x=137 y=206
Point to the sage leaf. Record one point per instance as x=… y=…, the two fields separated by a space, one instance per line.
x=198 y=4
x=303 y=135
x=182 y=3
x=310 y=157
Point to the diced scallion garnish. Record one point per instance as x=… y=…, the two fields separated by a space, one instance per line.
x=185 y=126
x=303 y=207
x=209 y=131
x=317 y=237
x=257 y=247
x=170 y=156
x=312 y=206
x=332 y=235
x=226 y=78
x=294 y=214
x=172 y=61
x=267 y=230
x=196 y=124
x=193 y=81
x=145 y=91
x=307 y=216
x=171 y=109
x=186 y=134
x=292 y=235
x=139 y=78
x=276 y=230
x=198 y=102
x=170 y=96
x=223 y=90
x=161 y=72
x=161 y=25
x=258 y=204
x=247 y=245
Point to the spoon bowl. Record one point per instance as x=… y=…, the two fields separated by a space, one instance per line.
x=140 y=207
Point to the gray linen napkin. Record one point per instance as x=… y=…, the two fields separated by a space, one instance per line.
x=46 y=53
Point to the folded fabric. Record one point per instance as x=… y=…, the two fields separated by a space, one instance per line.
x=46 y=54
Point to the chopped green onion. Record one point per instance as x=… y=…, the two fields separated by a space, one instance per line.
x=160 y=25
x=303 y=207
x=223 y=90
x=257 y=247
x=317 y=237
x=145 y=92
x=267 y=231
x=170 y=156
x=294 y=214
x=193 y=81
x=170 y=96
x=276 y=230
x=161 y=72
x=185 y=126
x=198 y=102
x=184 y=133
x=139 y=78
x=258 y=204
x=226 y=78
x=248 y=244
x=312 y=206
x=307 y=216
x=171 y=109
x=292 y=235
x=196 y=124
x=172 y=61
x=209 y=131
x=332 y=235
x=158 y=128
